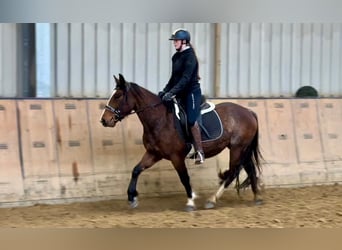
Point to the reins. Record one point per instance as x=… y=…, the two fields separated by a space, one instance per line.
x=148 y=106
x=119 y=116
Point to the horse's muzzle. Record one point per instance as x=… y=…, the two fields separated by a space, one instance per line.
x=110 y=123
x=103 y=121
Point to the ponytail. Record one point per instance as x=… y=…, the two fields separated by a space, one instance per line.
x=198 y=76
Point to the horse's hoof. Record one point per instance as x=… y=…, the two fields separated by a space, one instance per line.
x=190 y=208
x=209 y=205
x=259 y=202
x=134 y=203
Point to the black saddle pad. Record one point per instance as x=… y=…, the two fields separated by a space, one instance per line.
x=211 y=126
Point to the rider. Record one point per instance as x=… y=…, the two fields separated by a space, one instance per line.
x=184 y=84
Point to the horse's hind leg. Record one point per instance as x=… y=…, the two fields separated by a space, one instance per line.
x=253 y=181
x=147 y=161
x=228 y=176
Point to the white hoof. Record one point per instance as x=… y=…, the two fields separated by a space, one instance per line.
x=190 y=208
x=134 y=203
x=210 y=205
x=259 y=202
x=190 y=205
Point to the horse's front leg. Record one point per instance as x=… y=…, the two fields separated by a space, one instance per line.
x=182 y=171
x=146 y=162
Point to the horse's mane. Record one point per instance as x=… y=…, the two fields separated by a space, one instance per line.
x=139 y=90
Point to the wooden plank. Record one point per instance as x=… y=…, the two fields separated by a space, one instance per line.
x=306 y=130
x=309 y=146
x=281 y=132
x=72 y=136
x=259 y=107
x=37 y=130
x=73 y=148
x=107 y=143
x=334 y=171
x=275 y=175
x=11 y=184
x=109 y=184
x=313 y=173
x=330 y=121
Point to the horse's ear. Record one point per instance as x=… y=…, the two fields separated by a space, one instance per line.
x=123 y=84
x=122 y=79
x=116 y=79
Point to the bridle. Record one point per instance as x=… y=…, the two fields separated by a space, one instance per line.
x=118 y=116
x=116 y=112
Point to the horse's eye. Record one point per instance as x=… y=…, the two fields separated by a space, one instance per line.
x=116 y=96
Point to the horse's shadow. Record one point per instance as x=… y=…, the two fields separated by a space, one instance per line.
x=171 y=202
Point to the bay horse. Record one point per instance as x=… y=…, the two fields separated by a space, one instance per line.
x=162 y=141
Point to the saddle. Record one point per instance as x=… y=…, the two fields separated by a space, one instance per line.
x=209 y=122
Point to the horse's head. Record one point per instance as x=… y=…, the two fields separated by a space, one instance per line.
x=118 y=105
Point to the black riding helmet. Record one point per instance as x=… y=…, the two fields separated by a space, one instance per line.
x=181 y=34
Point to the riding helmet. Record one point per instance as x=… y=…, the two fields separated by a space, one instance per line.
x=180 y=34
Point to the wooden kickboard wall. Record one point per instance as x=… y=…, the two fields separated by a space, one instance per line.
x=56 y=150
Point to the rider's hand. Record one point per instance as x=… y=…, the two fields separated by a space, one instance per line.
x=161 y=94
x=167 y=97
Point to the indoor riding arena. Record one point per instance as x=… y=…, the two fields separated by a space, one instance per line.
x=60 y=168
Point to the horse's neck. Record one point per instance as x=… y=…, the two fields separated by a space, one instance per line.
x=150 y=110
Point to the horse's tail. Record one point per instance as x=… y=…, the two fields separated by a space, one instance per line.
x=251 y=160
x=256 y=155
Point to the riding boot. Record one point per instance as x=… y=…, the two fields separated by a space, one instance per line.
x=196 y=134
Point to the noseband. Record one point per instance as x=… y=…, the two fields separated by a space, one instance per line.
x=117 y=113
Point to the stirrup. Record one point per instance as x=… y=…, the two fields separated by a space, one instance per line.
x=199 y=157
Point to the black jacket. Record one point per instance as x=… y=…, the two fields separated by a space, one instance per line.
x=184 y=77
